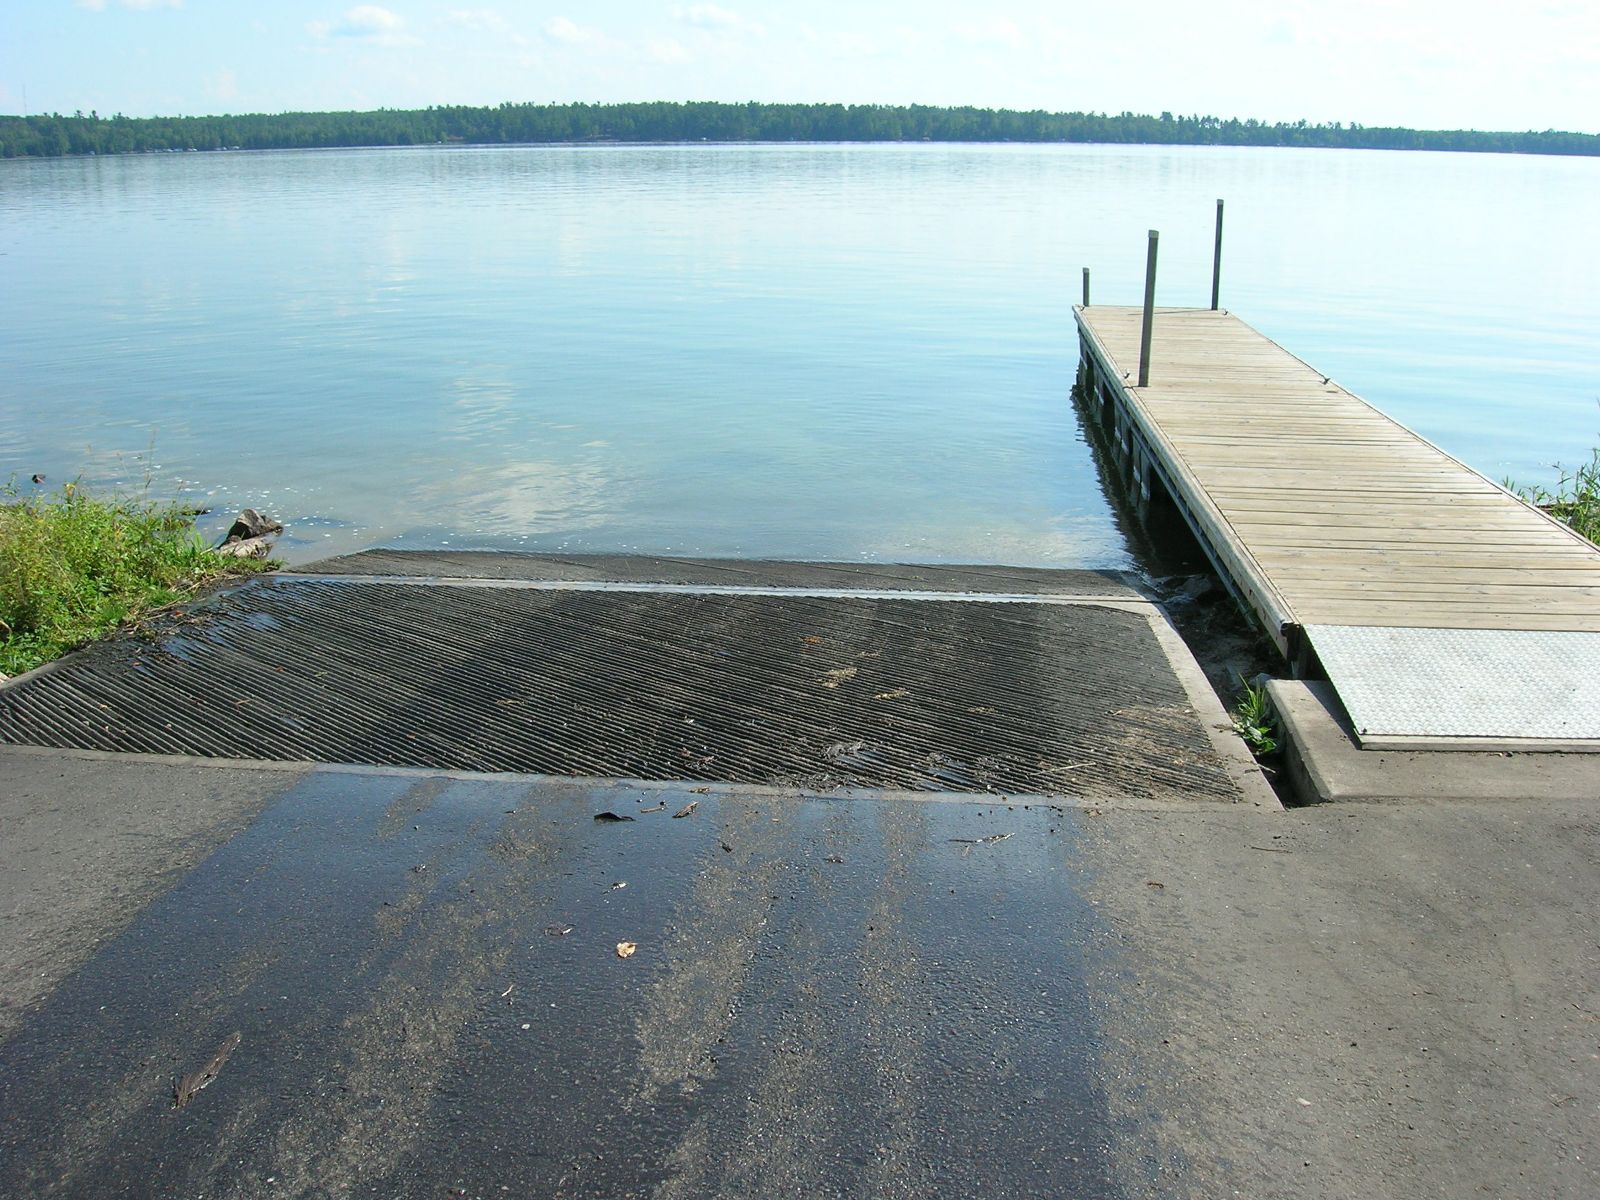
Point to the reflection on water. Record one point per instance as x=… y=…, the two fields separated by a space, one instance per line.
x=809 y=352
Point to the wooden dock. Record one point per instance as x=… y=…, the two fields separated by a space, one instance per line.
x=1326 y=517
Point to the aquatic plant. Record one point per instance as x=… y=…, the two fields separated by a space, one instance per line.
x=1575 y=499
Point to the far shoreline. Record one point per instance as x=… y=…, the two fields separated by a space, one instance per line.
x=52 y=135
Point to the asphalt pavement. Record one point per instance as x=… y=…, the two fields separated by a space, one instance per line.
x=846 y=994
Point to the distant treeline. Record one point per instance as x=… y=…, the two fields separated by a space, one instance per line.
x=54 y=135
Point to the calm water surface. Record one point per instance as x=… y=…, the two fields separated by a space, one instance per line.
x=807 y=352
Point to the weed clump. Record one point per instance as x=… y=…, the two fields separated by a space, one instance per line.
x=1252 y=719
x=74 y=567
x=1574 y=501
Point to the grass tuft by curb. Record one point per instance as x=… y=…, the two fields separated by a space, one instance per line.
x=75 y=567
x=1252 y=719
x=1575 y=500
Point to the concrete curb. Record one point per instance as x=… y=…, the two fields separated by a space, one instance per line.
x=1323 y=763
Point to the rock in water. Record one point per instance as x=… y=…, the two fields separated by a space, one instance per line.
x=246 y=548
x=252 y=524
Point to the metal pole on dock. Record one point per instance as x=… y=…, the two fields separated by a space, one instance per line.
x=1086 y=287
x=1149 y=309
x=1216 y=262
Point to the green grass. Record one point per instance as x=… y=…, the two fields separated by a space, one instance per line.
x=1252 y=720
x=75 y=567
x=1575 y=500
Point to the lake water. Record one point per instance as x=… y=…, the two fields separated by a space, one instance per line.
x=840 y=352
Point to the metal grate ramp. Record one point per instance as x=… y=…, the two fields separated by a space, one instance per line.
x=1465 y=689
x=1025 y=696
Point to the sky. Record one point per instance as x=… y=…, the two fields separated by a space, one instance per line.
x=1423 y=63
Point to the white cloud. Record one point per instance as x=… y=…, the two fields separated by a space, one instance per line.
x=997 y=31
x=366 y=23
x=569 y=33
x=714 y=16
x=142 y=5
x=479 y=20
x=668 y=50
x=853 y=45
x=224 y=85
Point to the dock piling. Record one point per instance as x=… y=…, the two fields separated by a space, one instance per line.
x=1149 y=308
x=1086 y=287
x=1216 y=262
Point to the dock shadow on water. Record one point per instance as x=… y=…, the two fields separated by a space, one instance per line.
x=828 y=997
x=1226 y=643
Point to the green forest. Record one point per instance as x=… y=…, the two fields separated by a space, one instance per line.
x=53 y=135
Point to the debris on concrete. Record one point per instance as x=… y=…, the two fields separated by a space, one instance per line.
x=190 y=1085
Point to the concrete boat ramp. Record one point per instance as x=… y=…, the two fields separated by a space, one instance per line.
x=289 y=861
x=1063 y=684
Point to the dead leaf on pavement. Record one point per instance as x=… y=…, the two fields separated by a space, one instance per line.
x=626 y=949
x=686 y=809
x=833 y=678
x=187 y=1088
x=896 y=694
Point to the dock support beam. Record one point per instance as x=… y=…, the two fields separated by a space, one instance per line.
x=1216 y=263
x=1149 y=309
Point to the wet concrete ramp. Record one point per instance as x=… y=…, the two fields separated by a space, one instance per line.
x=827 y=999
x=883 y=690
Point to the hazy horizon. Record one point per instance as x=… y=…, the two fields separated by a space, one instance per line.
x=1416 y=64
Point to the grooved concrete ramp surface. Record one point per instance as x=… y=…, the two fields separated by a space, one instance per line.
x=1026 y=696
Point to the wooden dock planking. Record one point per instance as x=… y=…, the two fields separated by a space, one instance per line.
x=1321 y=509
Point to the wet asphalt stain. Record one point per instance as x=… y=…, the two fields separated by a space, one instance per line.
x=826 y=998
